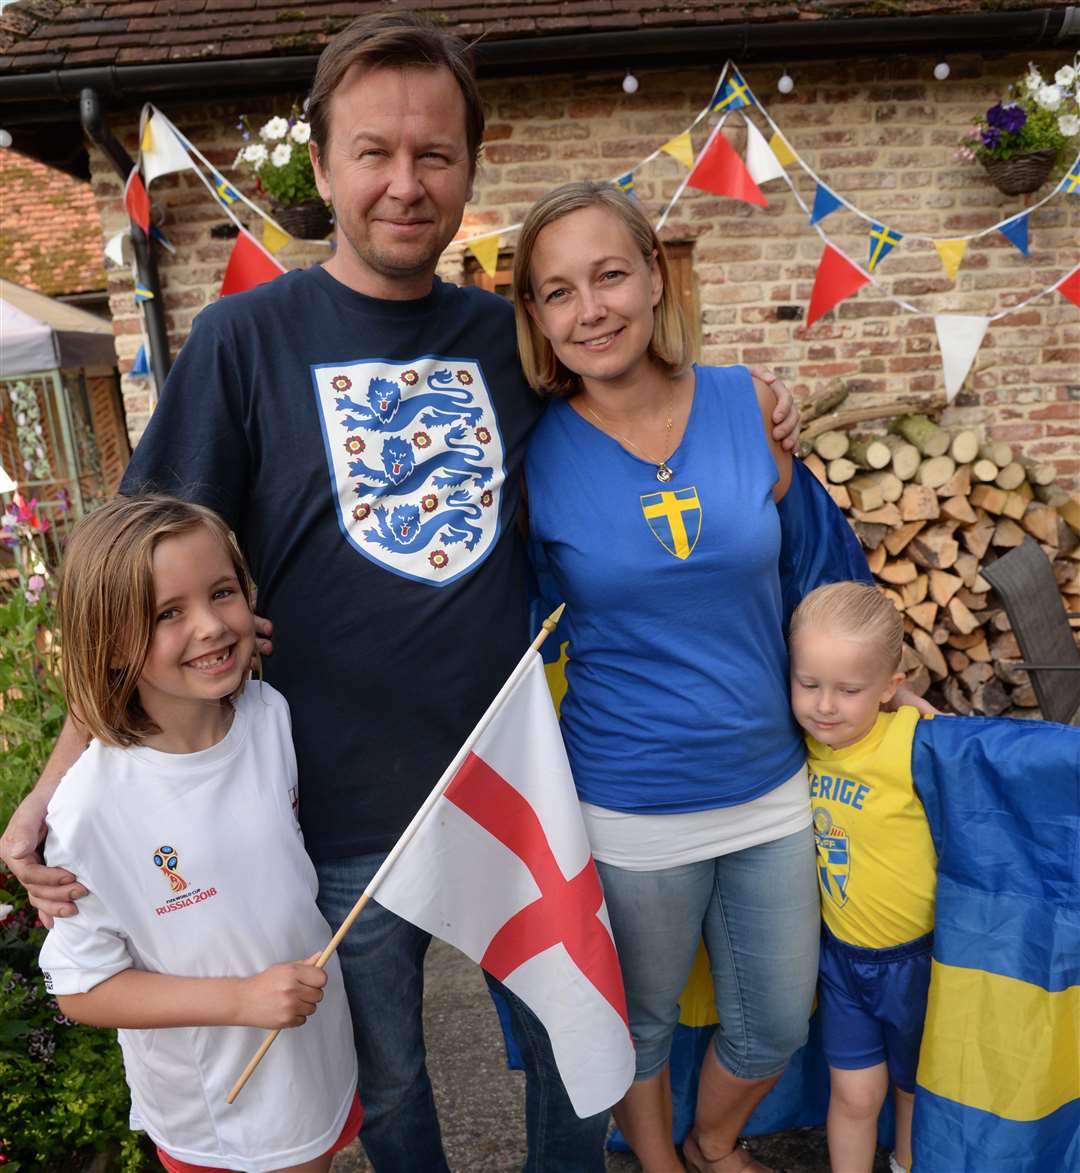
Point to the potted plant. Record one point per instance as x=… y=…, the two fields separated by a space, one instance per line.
x=1020 y=139
x=280 y=161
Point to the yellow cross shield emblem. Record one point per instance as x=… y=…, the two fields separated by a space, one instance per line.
x=674 y=516
x=833 y=857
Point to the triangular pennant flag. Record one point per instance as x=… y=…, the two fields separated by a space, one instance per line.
x=136 y=200
x=837 y=277
x=959 y=336
x=114 y=246
x=882 y=241
x=1071 y=183
x=680 y=147
x=140 y=366
x=625 y=183
x=824 y=203
x=164 y=154
x=249 y=265
x=781 y=150
x=272 y=236
x=951 y=253
x=142 y=293
x=1016 y=230
x=762 y=164
x=486 y=251
x=224 y=190
x=720 y=170
x=162 y=239
x=734 y=93
x=1070 y=286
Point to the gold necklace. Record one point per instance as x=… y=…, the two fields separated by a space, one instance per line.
x=664 y=471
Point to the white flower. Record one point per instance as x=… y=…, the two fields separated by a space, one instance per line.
x=1069 y=124
x=300 y=133
x=256 y=155
x=1065 y=76
x=6 y=910
x=1032 y=81
x=274 y=130
x=1049 y=97
x=281 y=154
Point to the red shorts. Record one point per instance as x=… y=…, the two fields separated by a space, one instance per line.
x=348 y=1134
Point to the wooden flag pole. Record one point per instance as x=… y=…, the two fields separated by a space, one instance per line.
x=546 y=628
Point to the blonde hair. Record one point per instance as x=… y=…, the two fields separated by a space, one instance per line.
x=107 y=606
x=854 y=610
x=672 y=345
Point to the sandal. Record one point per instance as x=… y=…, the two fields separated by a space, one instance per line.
x=739 y=1160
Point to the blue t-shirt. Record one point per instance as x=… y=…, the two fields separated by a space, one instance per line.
x=367 y=454
x=678 y=676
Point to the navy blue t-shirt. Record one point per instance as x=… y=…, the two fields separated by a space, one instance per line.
x=367 y=454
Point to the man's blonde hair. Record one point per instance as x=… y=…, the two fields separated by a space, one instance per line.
x=672 y=344
x=854 y=610
x=107 y=606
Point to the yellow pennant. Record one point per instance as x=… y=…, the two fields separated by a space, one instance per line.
x=781 y=150
x=681 y=148
x=951 y=253
x=486 y=251
x=147 y=144
x=273 y=238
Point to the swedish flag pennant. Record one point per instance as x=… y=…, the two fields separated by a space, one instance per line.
x=142 y=293
x=1071 y=183
x=224 y=190
x=882 y=241
x=734 y=93
x=625 y=183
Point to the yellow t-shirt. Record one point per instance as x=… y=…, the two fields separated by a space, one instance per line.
x=877 y=868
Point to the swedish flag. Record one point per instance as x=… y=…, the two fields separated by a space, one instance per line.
x=625 y=183
x=142 y=293
x=224 y=190
x=882 y=242
x=1071 y=182
x=734 y=93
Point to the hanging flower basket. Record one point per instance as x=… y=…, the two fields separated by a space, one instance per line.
x=310 y=219
x=1024 y=172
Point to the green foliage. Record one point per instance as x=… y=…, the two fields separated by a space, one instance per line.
x=288 y=180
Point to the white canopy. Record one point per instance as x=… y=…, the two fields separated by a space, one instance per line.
x=40 y=334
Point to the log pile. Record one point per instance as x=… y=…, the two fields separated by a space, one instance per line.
x=932 y=507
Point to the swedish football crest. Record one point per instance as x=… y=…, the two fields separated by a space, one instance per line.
x=833 y=857
x=674 y=516
x=416 y=462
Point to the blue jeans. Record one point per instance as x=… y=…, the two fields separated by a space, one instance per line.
x=758 y=912
x=382 y=961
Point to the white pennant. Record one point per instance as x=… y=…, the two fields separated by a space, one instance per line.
x=959 y=336
x=761 y=162
x=166 y=153
x=114 y=247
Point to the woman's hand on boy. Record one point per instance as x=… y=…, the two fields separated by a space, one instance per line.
x=283 y=995
x=52 y=891
x=264 y=630
x=786 y=413
x=904 y=696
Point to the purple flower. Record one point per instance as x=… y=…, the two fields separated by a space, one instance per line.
x=1008 y=118
x=991 y=138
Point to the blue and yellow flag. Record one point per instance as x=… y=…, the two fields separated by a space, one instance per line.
x=733 y=94
x=882 y=241
x=142 y=293
x=1071 y=182
x=625 y=183
x=224 y=190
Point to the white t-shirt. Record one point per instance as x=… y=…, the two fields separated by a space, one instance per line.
x=239 y=896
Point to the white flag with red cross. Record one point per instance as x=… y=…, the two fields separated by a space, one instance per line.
x=497 y=864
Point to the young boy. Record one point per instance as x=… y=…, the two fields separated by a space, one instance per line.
x=876 y=862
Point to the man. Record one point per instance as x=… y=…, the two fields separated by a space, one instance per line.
x=379 y=523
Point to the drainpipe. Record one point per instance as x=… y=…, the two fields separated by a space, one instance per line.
x=93 y=123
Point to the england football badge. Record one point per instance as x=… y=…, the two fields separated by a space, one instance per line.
x=416 y=462
x=833 y=857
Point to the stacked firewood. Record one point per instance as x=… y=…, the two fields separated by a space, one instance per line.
x=932 y=507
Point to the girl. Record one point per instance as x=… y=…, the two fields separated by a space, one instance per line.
x=180 y=818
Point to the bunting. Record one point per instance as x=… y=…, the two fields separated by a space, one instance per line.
x=761 y=160
x=951 y=253
x=114 y=246
x=1016 y=231
x=1070 y=287
x=160 y=151
x=781 y=149
x=825 y=202
x=141 y=365
x=681 y=148
x=959 y=336
x=142 y=293
x=224 y=190
x=625 y=183
x=837 y=277
x=1071 y=183
x=486 y=251
x=136 y=201
x=720 y=170
x=734 y=94
x=882 y=241
x=249 y=265
x=273 y=237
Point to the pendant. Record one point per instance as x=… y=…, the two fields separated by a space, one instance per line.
x=663 y=472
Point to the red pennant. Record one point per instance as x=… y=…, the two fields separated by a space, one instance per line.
x=136 y=200
x=720 y=171
x=1070 y=287
x=249 y=265
x=837 y=278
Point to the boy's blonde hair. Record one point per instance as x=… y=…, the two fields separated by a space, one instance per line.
x=854 y=610
x=672 y=344
x=107 y=607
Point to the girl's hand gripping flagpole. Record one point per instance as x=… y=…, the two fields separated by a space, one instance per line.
x=548 y=626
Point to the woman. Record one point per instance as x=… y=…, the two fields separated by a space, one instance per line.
x=652 y=494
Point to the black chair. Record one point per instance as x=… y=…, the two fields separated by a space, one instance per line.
x=1024 y=579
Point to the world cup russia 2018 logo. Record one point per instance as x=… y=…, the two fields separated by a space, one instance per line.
x=167 y=859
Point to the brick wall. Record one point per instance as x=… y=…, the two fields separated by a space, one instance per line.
x=881 y=133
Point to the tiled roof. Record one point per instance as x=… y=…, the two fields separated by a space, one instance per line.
x=50 y=231
x=38 y=35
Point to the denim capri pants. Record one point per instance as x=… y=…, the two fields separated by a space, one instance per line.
x=757 y=910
